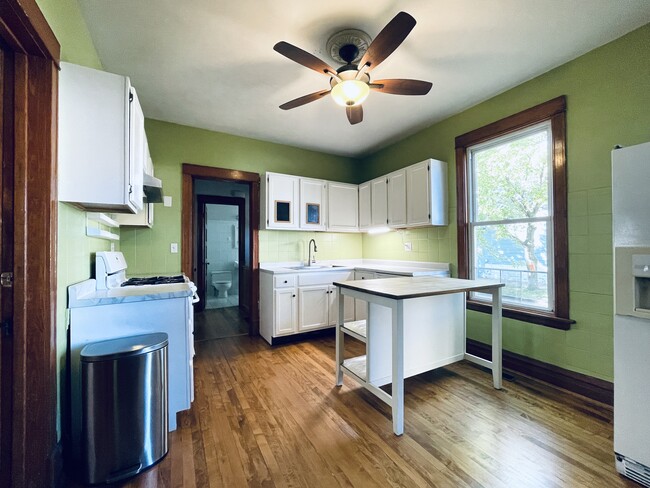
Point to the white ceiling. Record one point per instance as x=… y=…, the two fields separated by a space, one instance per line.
x=211 y=63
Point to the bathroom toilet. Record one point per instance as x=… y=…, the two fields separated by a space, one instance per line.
x=221 y=282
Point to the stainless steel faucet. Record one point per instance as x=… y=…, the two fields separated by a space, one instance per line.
x=311 y=260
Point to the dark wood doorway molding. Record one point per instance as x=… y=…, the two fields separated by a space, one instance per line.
x=192 y=172
x=28 y=447
x=240 y=203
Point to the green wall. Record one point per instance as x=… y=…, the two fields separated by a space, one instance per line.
x=608 y=103
x=171 y=145
x=74 y=249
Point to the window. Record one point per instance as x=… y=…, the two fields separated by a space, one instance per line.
x=512 y=227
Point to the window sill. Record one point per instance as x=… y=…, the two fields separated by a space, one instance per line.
x=539 y=318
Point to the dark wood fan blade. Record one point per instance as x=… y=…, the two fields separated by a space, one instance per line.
x=303 y=100
x=401 y=87
x=388 y=40
x=303 y=57
x=355 y=114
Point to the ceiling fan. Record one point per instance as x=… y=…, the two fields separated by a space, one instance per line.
x=350 y=84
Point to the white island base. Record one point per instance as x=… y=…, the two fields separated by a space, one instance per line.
x=414 y=325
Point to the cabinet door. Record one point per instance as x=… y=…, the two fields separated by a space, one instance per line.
x=285 y=311
x=397 y=199
x=379 y=199
x=418 y=194
x=361 y=306
x=282 y=198
x=348 y=309
x=94 y=141
x=137 y=151
x=312 y=204
x=342 y=207
x=365 y=205
x=313 y=306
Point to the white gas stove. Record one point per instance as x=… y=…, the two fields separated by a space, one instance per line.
x=111 y=306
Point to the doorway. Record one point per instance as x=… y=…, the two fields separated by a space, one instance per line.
x=221 y=245
x=204 y=187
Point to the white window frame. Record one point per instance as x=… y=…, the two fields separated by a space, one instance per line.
x=473 y=223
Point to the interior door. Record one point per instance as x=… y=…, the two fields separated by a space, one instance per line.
x=6 y=266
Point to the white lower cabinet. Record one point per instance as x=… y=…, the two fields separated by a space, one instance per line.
x=314 y=307
x=301 y=302
x=285 y=306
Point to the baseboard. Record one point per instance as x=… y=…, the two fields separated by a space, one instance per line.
x=588 y=386
x=313 y=334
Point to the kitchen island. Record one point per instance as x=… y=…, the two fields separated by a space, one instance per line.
x=419 y=321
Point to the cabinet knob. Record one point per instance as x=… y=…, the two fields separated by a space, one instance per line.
x=286 y=281
x=294 y=296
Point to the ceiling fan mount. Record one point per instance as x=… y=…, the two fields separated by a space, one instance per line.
x=340 y=45
x=350 y=83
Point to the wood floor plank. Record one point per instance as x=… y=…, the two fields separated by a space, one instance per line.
x=272 y=417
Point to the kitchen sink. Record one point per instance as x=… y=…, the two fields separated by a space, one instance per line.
x=315 y=267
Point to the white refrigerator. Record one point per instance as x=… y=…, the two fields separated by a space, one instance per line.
x=631 y=236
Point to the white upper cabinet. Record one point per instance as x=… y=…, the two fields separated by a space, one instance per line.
x=379 y=202
x=342 y=207
x=426 y=190
x=280 y=200
x=397 y=198
x=365 y=206
x=101 y=141
x=312 y=204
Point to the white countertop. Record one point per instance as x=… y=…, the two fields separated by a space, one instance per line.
x=419 y=286
x=85 y=294
x=404 y=268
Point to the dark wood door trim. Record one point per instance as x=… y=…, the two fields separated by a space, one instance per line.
x=202 y=201
x=25 y=34
x=192 y=172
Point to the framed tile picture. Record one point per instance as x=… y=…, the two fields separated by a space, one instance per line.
x=313 y=213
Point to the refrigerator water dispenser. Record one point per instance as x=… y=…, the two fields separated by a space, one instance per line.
x=641 y=273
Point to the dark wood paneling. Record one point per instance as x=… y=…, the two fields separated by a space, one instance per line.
x=189 y=233
x=31 y=131
x=462 y=215
x=588 y=386
x=34 y=413
x=25 y=30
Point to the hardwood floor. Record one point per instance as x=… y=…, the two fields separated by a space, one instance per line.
x=217 y=323
x=270 y=416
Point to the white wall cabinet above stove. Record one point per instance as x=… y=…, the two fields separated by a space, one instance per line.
x=102 y=144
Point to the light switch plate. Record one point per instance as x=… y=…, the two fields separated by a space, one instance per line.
x=408 y=246
x=167 y=201
x=174 y=248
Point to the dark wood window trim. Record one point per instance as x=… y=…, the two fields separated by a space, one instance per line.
x=555 y=112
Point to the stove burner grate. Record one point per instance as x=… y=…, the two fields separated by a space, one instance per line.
x=155 y=280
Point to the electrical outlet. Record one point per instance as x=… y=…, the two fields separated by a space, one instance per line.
x=174 y=248
x=167 y=201
x=112 y=246
x=408 y=246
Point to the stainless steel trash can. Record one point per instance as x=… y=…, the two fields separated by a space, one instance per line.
x=124 y=406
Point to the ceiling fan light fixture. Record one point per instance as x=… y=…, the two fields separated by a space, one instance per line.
x=350 y=93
